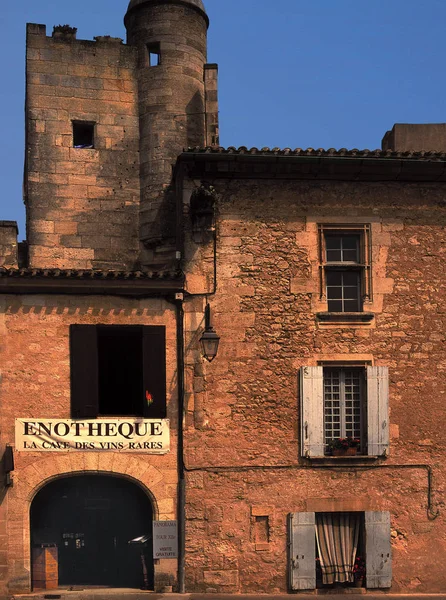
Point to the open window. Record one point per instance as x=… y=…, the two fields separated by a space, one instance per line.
x=344 y=403
x=339 y=548
x=118 y=370
x=83 y=134
x=345 y=267
x=154 y=54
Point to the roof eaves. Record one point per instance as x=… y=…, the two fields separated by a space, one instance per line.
x=89 y=282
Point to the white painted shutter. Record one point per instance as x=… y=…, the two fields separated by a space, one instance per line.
x=378 y=556
x=302 y=555
x=312 y=411
x=377 y=411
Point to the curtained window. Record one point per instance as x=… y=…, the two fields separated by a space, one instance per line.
x=337 y=536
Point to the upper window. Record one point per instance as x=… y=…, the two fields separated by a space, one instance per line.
x=345 y=260
x=118 y=371
x=83 y=134
x=154 y=54
x=343 y=408
x=343 y=273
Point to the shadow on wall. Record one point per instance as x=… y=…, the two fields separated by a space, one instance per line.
x=6 y=467
x=195 y=117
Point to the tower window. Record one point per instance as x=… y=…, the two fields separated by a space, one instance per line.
x=83 y=134
x=154 y=54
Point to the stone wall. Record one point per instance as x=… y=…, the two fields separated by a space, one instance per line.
x=36 y=383
x=8 y=244
x=243 y=433
x=171 y=99
x=82 y=204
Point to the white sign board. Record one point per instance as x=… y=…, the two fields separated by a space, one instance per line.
x=165 y=539
x=151 y=436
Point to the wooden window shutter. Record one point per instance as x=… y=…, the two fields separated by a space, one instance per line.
x=154 y=372
x=378 y=556
x=312 y=411
x=378 y=411
x=84 y=372
x=302 y=553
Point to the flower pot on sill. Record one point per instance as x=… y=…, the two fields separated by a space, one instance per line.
x=345 y=451
x=359 y=583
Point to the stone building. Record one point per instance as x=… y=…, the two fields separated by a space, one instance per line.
x=322 y=271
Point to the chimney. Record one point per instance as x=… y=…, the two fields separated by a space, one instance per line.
x=406 y=137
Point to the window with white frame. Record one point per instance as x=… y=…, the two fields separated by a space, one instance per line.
x=344 y=403
x=344 y=400
x=345 y=261
x=375 y=547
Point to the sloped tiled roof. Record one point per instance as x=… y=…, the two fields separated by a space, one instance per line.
x=320 y=152
x=95 y=274
x=316 y=164
x=89 y=281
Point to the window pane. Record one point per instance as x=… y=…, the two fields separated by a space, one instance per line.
x=349 y=242
x=335 y=293
x=343 y=291
x=335 y=306
x=351 y=306
x=342 y=248
x=350 y=256
x=334 y=278
x=333 y=246
x=350 y=278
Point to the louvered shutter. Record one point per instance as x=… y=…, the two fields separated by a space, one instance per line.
x=84 y=372
x=302 y=554
x=154 y=372
x=378 y=556
x=312 y=411
x=377 y=411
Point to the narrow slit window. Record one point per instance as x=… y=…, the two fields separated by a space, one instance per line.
x=154 y=54
x=83 y=134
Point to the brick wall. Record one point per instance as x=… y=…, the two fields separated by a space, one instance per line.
x=243 y=408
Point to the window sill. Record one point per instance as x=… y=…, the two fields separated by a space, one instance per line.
x=345 y=317
x=336 y=460
x=262 y=547
x=322 y=591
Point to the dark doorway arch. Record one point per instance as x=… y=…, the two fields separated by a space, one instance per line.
x=91 y=519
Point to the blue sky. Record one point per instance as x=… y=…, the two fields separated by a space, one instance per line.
x=293 y=73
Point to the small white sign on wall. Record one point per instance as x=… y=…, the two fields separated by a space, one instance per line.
x=165 y=539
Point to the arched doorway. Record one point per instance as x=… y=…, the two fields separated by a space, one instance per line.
x=92 y=519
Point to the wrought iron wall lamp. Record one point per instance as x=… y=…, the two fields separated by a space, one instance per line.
x=209 y=340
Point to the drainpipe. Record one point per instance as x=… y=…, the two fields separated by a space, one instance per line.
x=179 y=301
x=181 y=502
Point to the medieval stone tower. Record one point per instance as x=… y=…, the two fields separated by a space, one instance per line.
x=171 y=41
x=105 y=124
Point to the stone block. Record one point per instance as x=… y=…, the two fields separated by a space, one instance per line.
x=222 y=578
